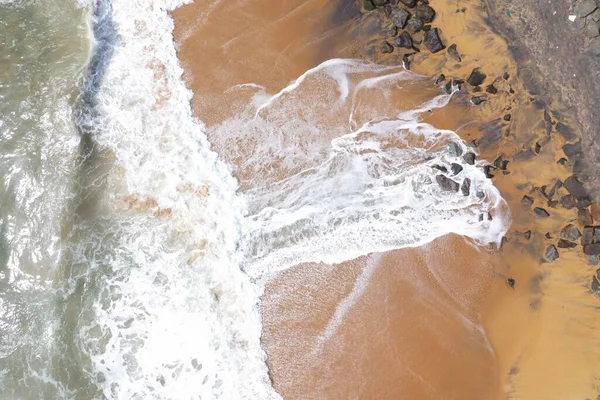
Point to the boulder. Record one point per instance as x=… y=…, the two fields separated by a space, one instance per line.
x=400 y=17
x=456 y=168
x=453 y=52
x=465 y=188
x=527 y=200
x=380 y=3
x=588 y=235
x=592 y=249
x=469 y=158
x=540 y=212
x=551 y=253
x=575 y=187
x=595 y=284
x=584 y=217
x=440 y=79
x=568 y=202
x=487 y=171
x=570 y=232
x=447 y=184
x=404 y=40
x=476 y=100
x=476 y=78
x=386 y=48
x=565 y=244
x=415 y=24
x=573 y=149
x=409 y=3
x=425 y=13
x=433 y=41
x=455 y=149
x=491 y=89
x=393 y=32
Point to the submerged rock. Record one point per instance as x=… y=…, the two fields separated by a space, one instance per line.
x=447 y=184
x=476 y=78
x=433 y=41
x=453 y=52
x=551 y=253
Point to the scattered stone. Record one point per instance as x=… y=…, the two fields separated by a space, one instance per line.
x=404 y=40
x=505 y=76
x=433 y=41
x=491 y=89
x=565 y=244
x=584 y=217
x=551 y=253
x=575 y=187
x=540 y=212
x=400 y=18
x=527 y=200
x=447 y=184
x=592 y=249
x=568 y=201
x=588 y=235
x=570 y=232
x=386 y=48
x=592 y=29
x=409 y=3
x=466 y=187
x=425 y=13
x=453 y=52
x=573 y=149
x=562 y=161
x=585 y=8
x=415 y=24
x=500 y=162
x=476 y=100
x=440 y=79
x=527 y=235
x=537 y=148
x=455 y=149
x=368 y=5
x=511 y=282
x=469 y=158
x=456 y=168
x=393 y=31
x=507 y=117
x=547 y=235
x=476 y=78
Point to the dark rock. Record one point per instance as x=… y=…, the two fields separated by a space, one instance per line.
x=466 y=187
x=537 y=148
x=440 y=79
x=588 y=235
x=415 y=24
x=456 y=168
x=505 y=76
x=393 y=31
x=584 y=217
x=453 y=52
x=477 y=100
x=388 y=11
x=565 y=132
x=527 y=200
x=487 y=171
x=368 y=5
x=565 y=244
x=386 y=48
x=440 y=168
x=527 y=235
x=425 y=13
x=570 y=232
x=433 y=41
x=571 y=150
x=507 y=117
x=477 y=89
x=547 y=235
x=595 y=284
x=491 y=89
x=584 y=203
x=380 y=3
x=568 y=201
x=592 y=249
x=511 y=282
x=469 y=158
x=400 y=17
x=451 y=85
x=476 y=78
x=596 y=234
x=447 y=184
x=455 y=149
x=575 y=187
x=404 y=40
x=540 y=212
x=407 y=60
x=500 y=162
x=562 y=161
x=409 y=3
x=551 y=253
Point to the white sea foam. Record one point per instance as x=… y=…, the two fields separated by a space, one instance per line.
x=336 y=166
x=174 y=316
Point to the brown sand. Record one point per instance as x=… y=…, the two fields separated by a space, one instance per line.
x=437 y=322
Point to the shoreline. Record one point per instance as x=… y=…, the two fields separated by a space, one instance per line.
x=521 y=356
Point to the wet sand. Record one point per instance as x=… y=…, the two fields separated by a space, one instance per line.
x=434 y=322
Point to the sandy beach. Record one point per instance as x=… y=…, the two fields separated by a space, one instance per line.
x=448 y=320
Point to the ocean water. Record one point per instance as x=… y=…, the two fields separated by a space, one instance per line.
x=132 y=255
